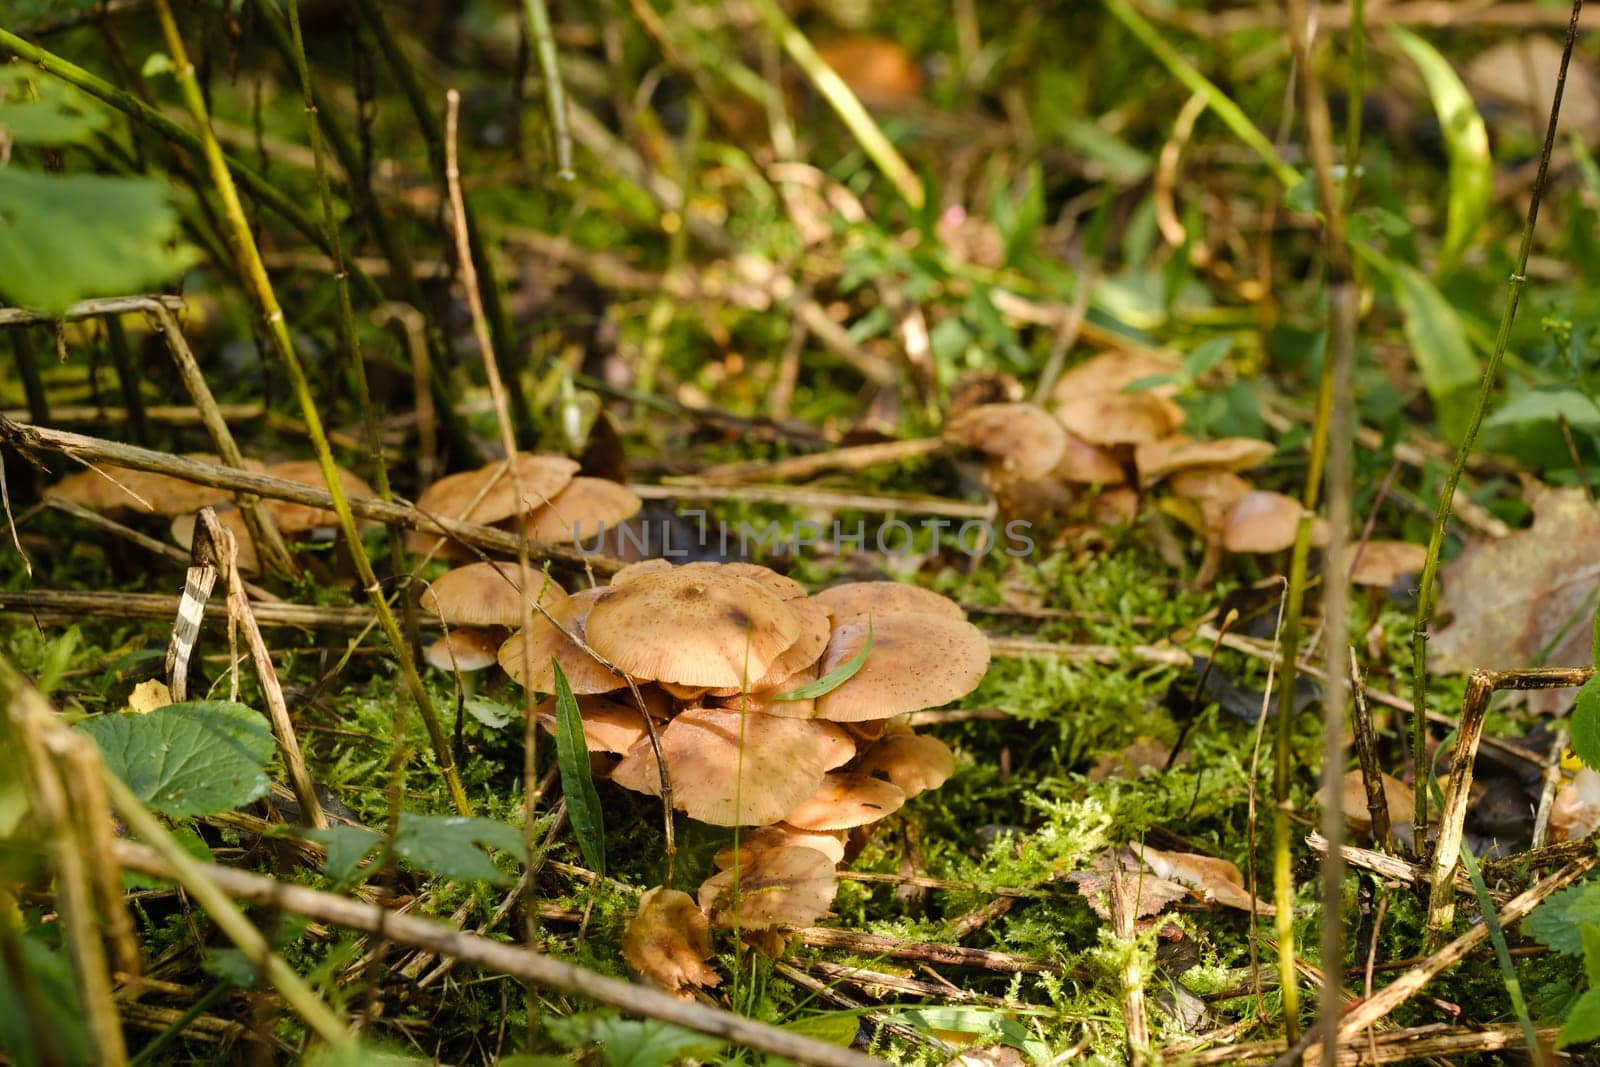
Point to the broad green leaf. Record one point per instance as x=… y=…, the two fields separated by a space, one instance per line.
x=834 y=678
x=986 y=1023
x=492 y=713
x=1557 y=923
x=1437 y=339
x=1206 y=356
x=1586 y=728
x=834 y=1027
x=649 y=1042
x=65 y=239
x=1583 y=1023
x=186 y=760
x=1591 y=952
x=1547 y=405
x=577 y=785
x=1467 y=142
x=367 y=1052
x=452 y=846
x=35 y=109
x=346 y=845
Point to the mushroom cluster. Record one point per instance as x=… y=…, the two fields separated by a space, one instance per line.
x=726 y=660
x=1106 y=441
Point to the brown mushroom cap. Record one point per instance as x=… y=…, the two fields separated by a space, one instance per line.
x=1112 y=372
x=584 y=510
x=608 y=725
x=638 y=570
x=1381 y=563
x=542 y=477
x=1157 y=459
x=914 y=762
x=112 y=488
x=815 y=629
x=1119 y=418
x=916 y=662
x=486 y=594
x=880 y=599
x=697 y=628
x=248 y=559
x=778 y=887
x=463 y=649
x=1026 y=440
x=669 y=940
x=764 y=699
x=846 y=800
x=1262 y=521
x=780 y=835
x=298 y=518
x=731 y=769
x=585 y=674
x=1084 y=464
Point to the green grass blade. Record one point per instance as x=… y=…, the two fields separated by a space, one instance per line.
x=834 y=678
x=577 y=785
x=1466 y=140
x=1508 y=969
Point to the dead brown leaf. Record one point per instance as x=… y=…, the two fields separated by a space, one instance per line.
x=669 y=940
x=1218 y=879
x=1527 y=599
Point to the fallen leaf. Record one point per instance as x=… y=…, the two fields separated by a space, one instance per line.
x=669 y=940
x=1575 y=814
x=1527 y=599
x=149 y=695
x=1400 y=799
x=1218 y=879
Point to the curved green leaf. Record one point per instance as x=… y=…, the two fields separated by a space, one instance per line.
x=186 y=760
x=1466 y=141
x=834 y=678
x=577 y=784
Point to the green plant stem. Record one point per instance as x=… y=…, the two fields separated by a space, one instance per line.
x=260 y=286
x=127 y=378
x=433 y=140
x=1229 y=112
x=844 y=103
x=1357 y=86
x=1491 y=374
x=1502 y=954
x=32 y=382
x=555 y=96
x=260 y=187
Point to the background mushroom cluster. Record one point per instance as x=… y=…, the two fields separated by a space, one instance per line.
x=727 y=659
x=1113 y=433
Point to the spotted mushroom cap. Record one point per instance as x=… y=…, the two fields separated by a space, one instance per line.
x=847 y=800
x=779 y=887
x=1119 y=418
x=113 y=488
x=699 y=628
x=852 y=599
x=486 y=594
x=1157 y=459
x=916 y=662
x=914 y=762
x=463 y=649
x=585 y=509
x=298 y=518
x=585 y=674
x=1024 y=439
x=1262 y=521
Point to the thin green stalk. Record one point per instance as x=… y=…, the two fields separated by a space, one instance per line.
x=28 y=371
x=260 y=188
x=1502 y=954
x=433 y=140
x=1357 y=86
x=1230 y=113
x=255 y=276
x=1486 y=384
x=555 y=96
x=844 y=103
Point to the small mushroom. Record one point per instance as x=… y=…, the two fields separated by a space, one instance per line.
x=463 y=649
x=1084 y=464
x=785 y=887
x=815 y=629
x=914 y=762
x=584 y=510
x=488 y=494
x=295 y=518
x=1025 y=441
x=669 y=941
x=609 y=725
x=487 y=594
x=1119 y=418
x=1112 y=372
x=1169 y=455
x=916 y=662
x=731 y=769
x=880 y=599
x=699 y=628
x=1263 y=522
x=113 y=488
x=528 y=661
x=780 y=835
x=847 y=800
x=1382 y=563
